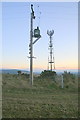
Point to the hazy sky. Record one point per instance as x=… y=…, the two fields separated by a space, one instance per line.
x=62 y=17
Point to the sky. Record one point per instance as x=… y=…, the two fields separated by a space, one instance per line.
x=62 y=17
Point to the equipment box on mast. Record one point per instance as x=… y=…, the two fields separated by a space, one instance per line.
x=36 y=32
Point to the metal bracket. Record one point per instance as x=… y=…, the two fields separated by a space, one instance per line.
x=31 y=57
x=36 y=39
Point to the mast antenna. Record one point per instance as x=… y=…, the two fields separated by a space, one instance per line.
x=51 y=55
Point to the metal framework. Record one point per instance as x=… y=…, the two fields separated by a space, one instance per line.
x=51 y=55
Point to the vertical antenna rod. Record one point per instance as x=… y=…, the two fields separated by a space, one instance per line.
x=51 y=61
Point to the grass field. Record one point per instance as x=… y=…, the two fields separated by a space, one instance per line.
x=45 y=99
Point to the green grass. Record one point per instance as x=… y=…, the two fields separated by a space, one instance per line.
x=45 y=99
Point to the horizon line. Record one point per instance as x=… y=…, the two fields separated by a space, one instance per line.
x=45 y=69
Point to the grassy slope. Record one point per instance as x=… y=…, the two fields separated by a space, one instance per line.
x=45 y=99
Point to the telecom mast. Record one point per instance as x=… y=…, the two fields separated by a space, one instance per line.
x=35 y=34
x=51 y=55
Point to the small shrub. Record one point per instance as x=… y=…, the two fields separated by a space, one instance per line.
x=19 y=72
x=48 y=74
x=67 y=86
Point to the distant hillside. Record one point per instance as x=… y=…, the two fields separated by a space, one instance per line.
x=73 y=71
x=12 y=71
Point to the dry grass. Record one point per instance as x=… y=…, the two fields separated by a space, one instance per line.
x=45 y=99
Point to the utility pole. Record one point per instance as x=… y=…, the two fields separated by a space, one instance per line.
x=31 y=46
x=62 y=83
x=48 y=64
x=51 y=57
x=36 y=34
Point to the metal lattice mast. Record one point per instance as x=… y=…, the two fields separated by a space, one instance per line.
x=51 y=55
